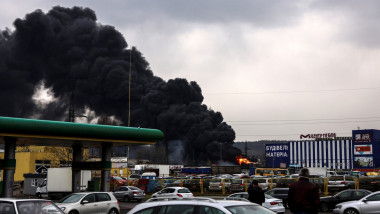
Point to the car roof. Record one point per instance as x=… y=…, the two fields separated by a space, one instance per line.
x=21 y=199
x=195 y=200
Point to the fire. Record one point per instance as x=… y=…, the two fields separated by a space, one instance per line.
x=241 y=160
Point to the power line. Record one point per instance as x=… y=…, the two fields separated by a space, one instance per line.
x=292 y=92
x=274 y=124
x=319 y=119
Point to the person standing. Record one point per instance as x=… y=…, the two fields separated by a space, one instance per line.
x=303 y=196
x=255 y=193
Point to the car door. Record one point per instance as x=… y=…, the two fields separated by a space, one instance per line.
x=104 y=202
x=88 y=205
x=371 y=204
x=342 y=197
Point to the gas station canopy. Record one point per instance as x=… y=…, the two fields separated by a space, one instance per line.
x=46 y=132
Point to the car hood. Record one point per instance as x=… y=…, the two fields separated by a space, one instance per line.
x=326 y=198
x=349 y=202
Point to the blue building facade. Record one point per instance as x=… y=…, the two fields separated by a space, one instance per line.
x=358 y=153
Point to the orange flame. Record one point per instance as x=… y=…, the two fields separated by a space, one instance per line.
x=241 y=160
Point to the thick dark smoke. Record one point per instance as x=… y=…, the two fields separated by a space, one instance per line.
x=67 y=51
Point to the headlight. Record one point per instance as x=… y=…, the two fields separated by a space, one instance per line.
x=62 y=208
x=338 y=206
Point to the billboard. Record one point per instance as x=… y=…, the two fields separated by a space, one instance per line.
x=277 y=155
x=363 y=149
x=363 y=161
x=362 y=138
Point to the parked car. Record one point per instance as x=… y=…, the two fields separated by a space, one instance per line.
x=285 y=182
x=369 y=183
x=192 y=184
x=129 y=193
x=216 y=184
x=328 y=203
x=271 y=203
x=266 y=183
x=280 y=193
x=117 y=181
x=368 y=204
x=89 y=203
x=319 y=181
x=199 y=205
x=26 y=206
x=173 y=192
x=238 y=185
x=164 y=183
x=341 y=182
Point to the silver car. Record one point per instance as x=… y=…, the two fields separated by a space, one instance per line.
x=198 y=205
x=217 y=184
x=27 y=206
x=89 y=203
x=129 y=193
x=368 y=204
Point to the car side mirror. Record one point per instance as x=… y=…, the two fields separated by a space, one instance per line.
x=365 y=200
x=84 y=202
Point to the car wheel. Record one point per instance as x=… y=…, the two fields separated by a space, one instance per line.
x=113 y=211
x=324 y=207
x=126 y=198
x=73 y=212
x=39 y=195
x=351 y=211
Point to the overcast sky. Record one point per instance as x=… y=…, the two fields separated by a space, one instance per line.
x=275 y=69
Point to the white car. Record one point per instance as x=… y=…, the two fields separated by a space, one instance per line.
x=89 y=203
x=173 y=192
x=198 y=205
x=25 y=206
x=368 y=204
x=271 y=203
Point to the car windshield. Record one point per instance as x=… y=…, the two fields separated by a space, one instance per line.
x=245 y=209
x=38 y=207
x=216 y=180
x=71 y=198
x=117 y=178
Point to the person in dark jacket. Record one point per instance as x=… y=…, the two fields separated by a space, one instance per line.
x=303 y=196
x=255 y=193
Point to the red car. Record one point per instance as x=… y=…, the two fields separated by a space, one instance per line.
x=117 y=181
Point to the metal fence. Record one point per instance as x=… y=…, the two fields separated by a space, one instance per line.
x=327 y=186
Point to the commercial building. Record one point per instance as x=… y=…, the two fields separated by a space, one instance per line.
x=356 y=153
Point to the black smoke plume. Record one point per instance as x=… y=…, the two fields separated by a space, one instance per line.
x=67 y=51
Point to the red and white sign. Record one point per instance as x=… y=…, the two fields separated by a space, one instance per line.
x=363 y=149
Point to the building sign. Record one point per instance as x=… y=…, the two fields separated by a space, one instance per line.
x=277 y=150
x=366 y=161
x=322 y=136
x=364 y=137
x=363 y=149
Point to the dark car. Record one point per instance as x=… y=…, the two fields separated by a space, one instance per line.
x=329 y=202
x=370 y=183
x=280 y=193
x=192 y=184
